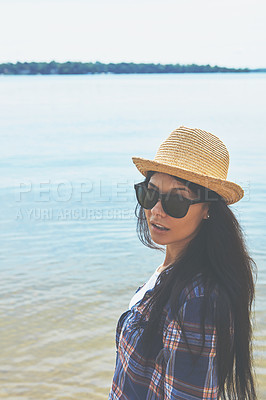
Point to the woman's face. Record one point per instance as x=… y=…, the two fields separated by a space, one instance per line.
x=179 y=230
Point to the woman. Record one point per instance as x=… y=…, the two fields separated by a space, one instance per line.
x=187 y=333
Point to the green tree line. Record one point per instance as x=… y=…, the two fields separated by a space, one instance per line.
x=69 y=67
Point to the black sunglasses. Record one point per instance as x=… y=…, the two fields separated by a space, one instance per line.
x=174 y=205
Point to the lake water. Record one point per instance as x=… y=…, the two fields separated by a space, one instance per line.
x=70 y=258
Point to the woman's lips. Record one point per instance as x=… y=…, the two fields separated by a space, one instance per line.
x=159 y=228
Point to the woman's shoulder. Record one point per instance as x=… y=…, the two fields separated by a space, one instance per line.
x=196 y=292
x=197 y=288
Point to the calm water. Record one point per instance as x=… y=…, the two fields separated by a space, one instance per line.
x=70 y=258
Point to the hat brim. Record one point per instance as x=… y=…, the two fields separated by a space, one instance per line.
x=230 y=191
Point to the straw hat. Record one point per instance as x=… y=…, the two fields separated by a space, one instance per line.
x=197 y=156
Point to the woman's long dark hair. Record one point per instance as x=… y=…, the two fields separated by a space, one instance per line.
x=218 y=251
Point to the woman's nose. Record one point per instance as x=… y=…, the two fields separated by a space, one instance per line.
x=158 y=209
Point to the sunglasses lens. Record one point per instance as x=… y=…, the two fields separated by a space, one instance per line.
x=175 y=206
x=147 y=198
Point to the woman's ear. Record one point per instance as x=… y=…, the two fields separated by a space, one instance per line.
x=206 y=210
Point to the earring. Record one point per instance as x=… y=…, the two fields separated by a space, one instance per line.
x=208 y=216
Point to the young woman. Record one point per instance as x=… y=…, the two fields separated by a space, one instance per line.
x=187 y=333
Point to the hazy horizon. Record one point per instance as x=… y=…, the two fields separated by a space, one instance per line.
x=228 y=34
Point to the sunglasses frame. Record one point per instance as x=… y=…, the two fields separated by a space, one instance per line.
x=163 y=197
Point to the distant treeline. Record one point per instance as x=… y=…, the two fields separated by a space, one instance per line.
x=69 y=67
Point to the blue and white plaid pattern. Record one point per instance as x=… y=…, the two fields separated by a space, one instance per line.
x=170 y=372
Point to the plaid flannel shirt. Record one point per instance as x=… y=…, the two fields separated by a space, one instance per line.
x=169 y=373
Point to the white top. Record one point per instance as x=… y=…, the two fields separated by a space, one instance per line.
x=148 y=285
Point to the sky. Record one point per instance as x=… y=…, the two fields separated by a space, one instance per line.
x=229 y=33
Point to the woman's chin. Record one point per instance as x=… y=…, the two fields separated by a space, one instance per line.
x=158 y=240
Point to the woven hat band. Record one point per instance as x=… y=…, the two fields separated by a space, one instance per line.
x=196 y=151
